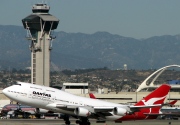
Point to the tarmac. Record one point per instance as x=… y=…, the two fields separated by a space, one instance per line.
x=93 y=122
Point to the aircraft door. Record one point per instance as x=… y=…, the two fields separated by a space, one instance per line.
x=29 y=93
x=44 y=96
x=50 y=96
x=52 y=99
x=81 y=103
x=16 y=93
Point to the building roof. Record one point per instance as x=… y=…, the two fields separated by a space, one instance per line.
x=75 y=84
x=34 y=20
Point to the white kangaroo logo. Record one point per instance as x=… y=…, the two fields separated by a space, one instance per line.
x=151 y=102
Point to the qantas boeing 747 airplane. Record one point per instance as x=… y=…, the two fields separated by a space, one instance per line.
x=84 y=108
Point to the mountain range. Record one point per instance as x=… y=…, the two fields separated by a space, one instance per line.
x=98 y=50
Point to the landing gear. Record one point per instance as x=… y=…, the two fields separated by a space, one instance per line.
x=66 y=119
x=38 y=116
x=25 y=115
x=67 y=122
x=83 y=121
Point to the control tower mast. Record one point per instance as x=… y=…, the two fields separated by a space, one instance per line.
x=39 y=26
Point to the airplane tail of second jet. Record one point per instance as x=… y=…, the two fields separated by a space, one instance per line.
x=156 y=97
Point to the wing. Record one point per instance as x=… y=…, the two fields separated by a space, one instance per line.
x=138 y=108
x=100 y=111
x=85 y=111
x=95 y=109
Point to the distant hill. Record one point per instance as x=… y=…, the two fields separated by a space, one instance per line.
x=98 y=50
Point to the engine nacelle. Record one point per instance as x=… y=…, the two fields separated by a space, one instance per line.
x=119 y=111
x=82 y=112
x=41 y=111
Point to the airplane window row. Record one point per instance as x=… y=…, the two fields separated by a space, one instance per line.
x=87 y=105
x=66 y=101
x=62 y=100
x=35 y=88
x=40 y=97
x=50 y=90
x=18 y=92
x=73 y=102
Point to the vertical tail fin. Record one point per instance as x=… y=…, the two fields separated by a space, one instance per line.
x=91 y=95
x=156 y=97
x=173 y=102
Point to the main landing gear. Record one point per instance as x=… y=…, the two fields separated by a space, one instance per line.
x=66 y=119
x=83 y=121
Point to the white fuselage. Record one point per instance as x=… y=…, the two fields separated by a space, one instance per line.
x=46 y=98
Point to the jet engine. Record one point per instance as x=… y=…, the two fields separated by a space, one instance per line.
x=41 y=111
x=82 y=112
x=119 y=111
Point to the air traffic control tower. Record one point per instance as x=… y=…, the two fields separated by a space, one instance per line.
x=39 y=26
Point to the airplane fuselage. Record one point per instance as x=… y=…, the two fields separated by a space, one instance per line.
x=44 y=97
x=60 y=101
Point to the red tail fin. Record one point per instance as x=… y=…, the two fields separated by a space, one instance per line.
x=173 y=102
x=92 y=96
x=156 y=97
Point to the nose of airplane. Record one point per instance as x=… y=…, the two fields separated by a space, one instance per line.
x=4 y=91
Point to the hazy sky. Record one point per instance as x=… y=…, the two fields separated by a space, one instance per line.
x=131 y=18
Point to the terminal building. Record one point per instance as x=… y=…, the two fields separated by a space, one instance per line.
x=173 y=82
x=74 y=88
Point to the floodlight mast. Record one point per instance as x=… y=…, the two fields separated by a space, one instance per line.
x=39 y=26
